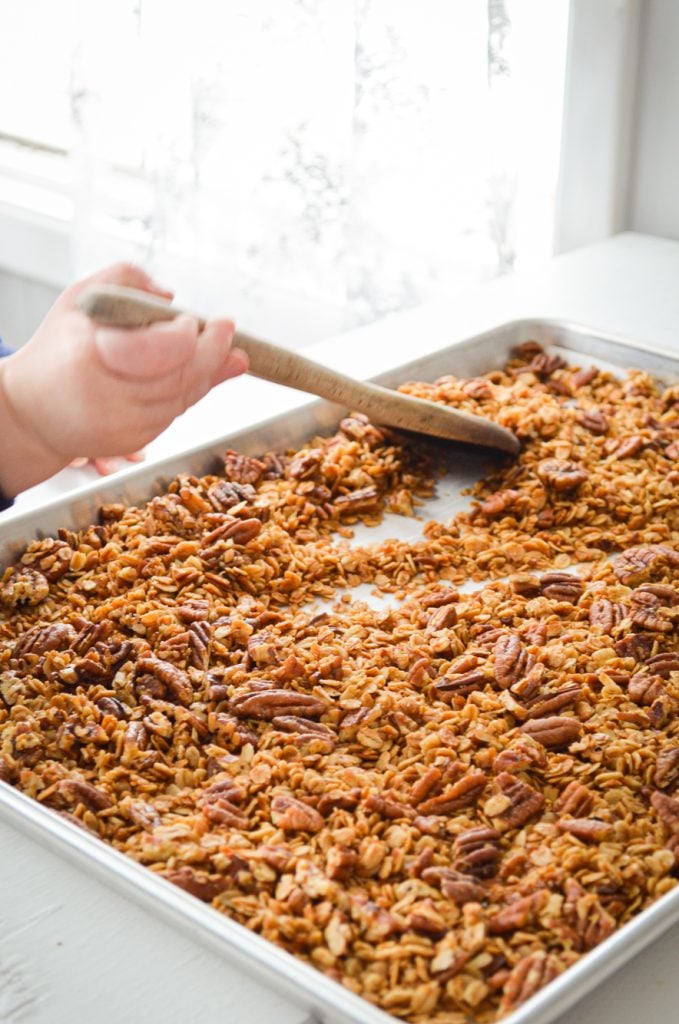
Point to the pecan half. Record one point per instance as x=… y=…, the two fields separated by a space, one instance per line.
x=242 y=469
x=627 y=447
x=667 y=596
x=225 y=788
x=544 y=364
x=200 y=635
x=305 y=729
x=486 y=636
x=199 y=884
x=522 y=753
x=662 y=711
x=220 y=811
x=607 y=614
x=666 y=773
x=112 y=706
x=664 y=664
x=477 y=388
x=274 y=465
x=589 y=830
x=635 y=645
x=583 y=376
x=561 y=476
x=561 y=586
x=363 y=500
x=91 y=634
x=441 y=618
x=527 y=350
x=269 y=704
x=143 y=814
x=226 y=493
x=585 y=915
x=294 y=815
x=460 y=685
x=646 y=613
x=553 y=732
x=478 y=851
x=465 y=791
x=530 y=974
x=594 y=421
x=456 y=885
x=243 y=531
x=575 y=799
x=173 y=678
x=359 y=428
x=441 y=597
x=546 y=705
x=524 y=584
x=80 y=792
x=421 y=673
x=55 y=636
x=425 y=784
x=343 y=799
x=667 y=809
x=304 y=464
x=636 y=565
x=511 y=660
x=643 y=689
x=388 y=807
x=496 y=504
x=193 y=610
x=524 y=802
x=518 y=914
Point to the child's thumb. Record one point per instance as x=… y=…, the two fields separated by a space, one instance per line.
x=146 y=353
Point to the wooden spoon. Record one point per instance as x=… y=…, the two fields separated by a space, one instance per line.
x=126 y=307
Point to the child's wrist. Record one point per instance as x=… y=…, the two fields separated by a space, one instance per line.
x=25 y=459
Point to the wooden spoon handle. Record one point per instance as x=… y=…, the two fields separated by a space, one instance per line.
x=126 y=307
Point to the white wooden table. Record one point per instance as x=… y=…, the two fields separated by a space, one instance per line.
x=71 y=950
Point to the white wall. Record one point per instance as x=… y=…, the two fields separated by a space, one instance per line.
x=654 y=169
x=23 y=303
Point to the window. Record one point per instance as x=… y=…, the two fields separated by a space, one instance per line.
x=307 y=165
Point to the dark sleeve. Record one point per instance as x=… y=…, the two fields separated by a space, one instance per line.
x=5 y=350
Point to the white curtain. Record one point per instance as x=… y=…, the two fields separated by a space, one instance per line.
x=308 y=165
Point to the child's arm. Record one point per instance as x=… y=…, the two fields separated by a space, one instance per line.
x=75 y=389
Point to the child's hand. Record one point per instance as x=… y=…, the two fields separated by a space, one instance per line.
x=76 y=389
x=105 y=465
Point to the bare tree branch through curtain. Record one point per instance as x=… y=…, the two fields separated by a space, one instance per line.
x=310 y=165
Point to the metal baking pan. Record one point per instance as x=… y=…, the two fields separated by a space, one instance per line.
x=326 y=1000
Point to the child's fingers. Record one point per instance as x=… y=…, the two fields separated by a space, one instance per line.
x=105 y=466
x=212 y=352
x=148 y=353
x=235 y=363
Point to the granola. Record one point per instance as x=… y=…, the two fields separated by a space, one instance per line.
x=441 y=805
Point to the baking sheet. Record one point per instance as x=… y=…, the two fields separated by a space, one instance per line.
x=301 y=983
